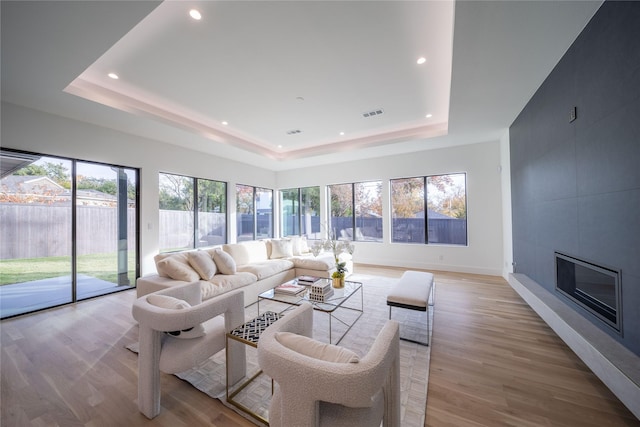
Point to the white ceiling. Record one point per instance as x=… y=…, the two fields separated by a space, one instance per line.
x=249 y=63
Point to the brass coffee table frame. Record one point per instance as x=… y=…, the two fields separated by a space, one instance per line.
x=333 y=303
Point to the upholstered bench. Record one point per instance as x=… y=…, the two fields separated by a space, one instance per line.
x=413 y=291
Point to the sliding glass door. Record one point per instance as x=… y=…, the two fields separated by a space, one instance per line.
x=36 y=266
x=69 y=231
x=105 y=229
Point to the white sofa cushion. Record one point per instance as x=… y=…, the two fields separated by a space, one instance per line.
x=316 y=349
x=304 y=246
x=221 y=283
x=281 y=248
x=267 y=268
x=225 y=262
x=322 y=262
x=202 y=262
x=299 y=245
x=181 y=257
x=247 y=252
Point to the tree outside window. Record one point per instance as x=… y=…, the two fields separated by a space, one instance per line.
x=310 y=212
x=254 y=212
x=176 y=215
x=184 y=224
x=429 y=209
x=356 y=211
x=368 y=211
x=447 y=209
x=341 y=211
x=300 y=212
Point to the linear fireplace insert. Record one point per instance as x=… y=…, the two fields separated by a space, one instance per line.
x=594 y=287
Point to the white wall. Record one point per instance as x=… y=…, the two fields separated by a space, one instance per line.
x=31 y=130
x=483 y=255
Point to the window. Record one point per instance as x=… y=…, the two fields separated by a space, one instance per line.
x=70 y=231
x=356 y=207
x=368 y=212
x=185 y=224
x=212 y=212
x=444 y=199
x=254 y=213
x=300 y=212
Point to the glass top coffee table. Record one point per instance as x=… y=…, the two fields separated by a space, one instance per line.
x=331 y=305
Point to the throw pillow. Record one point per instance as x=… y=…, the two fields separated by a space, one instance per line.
x=224 y=262
x=295 y=245
x=178 y=270
x=202 y=262
x=171 y=303
x=304 y=247
x=317 y=350
x=281 y=249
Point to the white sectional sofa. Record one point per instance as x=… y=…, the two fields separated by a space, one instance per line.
x=254 y=267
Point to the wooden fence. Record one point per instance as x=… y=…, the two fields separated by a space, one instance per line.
x=39 y=231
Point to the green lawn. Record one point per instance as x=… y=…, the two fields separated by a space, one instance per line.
x=100 y=266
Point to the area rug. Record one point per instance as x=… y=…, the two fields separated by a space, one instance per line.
x=210 y=376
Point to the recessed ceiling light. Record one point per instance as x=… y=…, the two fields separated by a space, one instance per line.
x=341 y=133
x=428 y=116
x=114 y=76
x=421 y=60
x=195 y=14
x=279 y=145
x=225 y=123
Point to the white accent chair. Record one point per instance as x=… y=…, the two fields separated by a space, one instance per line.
x=159 y=351
x=312 y=391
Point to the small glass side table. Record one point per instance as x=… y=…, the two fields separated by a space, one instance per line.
x=248 y=333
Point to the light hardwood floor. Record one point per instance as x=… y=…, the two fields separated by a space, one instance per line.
x=493 y=362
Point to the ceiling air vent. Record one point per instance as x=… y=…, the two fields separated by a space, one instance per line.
x=294 y=132
x=372 y=113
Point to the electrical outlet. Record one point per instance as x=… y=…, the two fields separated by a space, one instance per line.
x=572 y=114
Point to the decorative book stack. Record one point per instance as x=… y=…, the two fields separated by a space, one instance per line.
x=308 y=280
x=289 y=288
x=321 y=291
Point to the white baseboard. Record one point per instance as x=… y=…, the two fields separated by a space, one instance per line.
x=614 y=364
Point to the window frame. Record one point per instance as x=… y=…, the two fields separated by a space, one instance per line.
x=195 y=211
x=255 y=191
x=299 y=212
x=427 y=234
x=357 y=237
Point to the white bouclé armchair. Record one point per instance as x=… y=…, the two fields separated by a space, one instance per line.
x=178 y=331
x=319 y=384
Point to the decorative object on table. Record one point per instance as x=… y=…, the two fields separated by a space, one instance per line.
x=338 y=275
x=337 y=247
x=337 y=280
x=289 y=288
x=308 y=280
x=321 y=291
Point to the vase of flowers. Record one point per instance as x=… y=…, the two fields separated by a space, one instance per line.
x=337 y=277
x=333 y=245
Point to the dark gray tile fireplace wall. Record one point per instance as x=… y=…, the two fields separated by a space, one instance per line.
x=576 y=185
